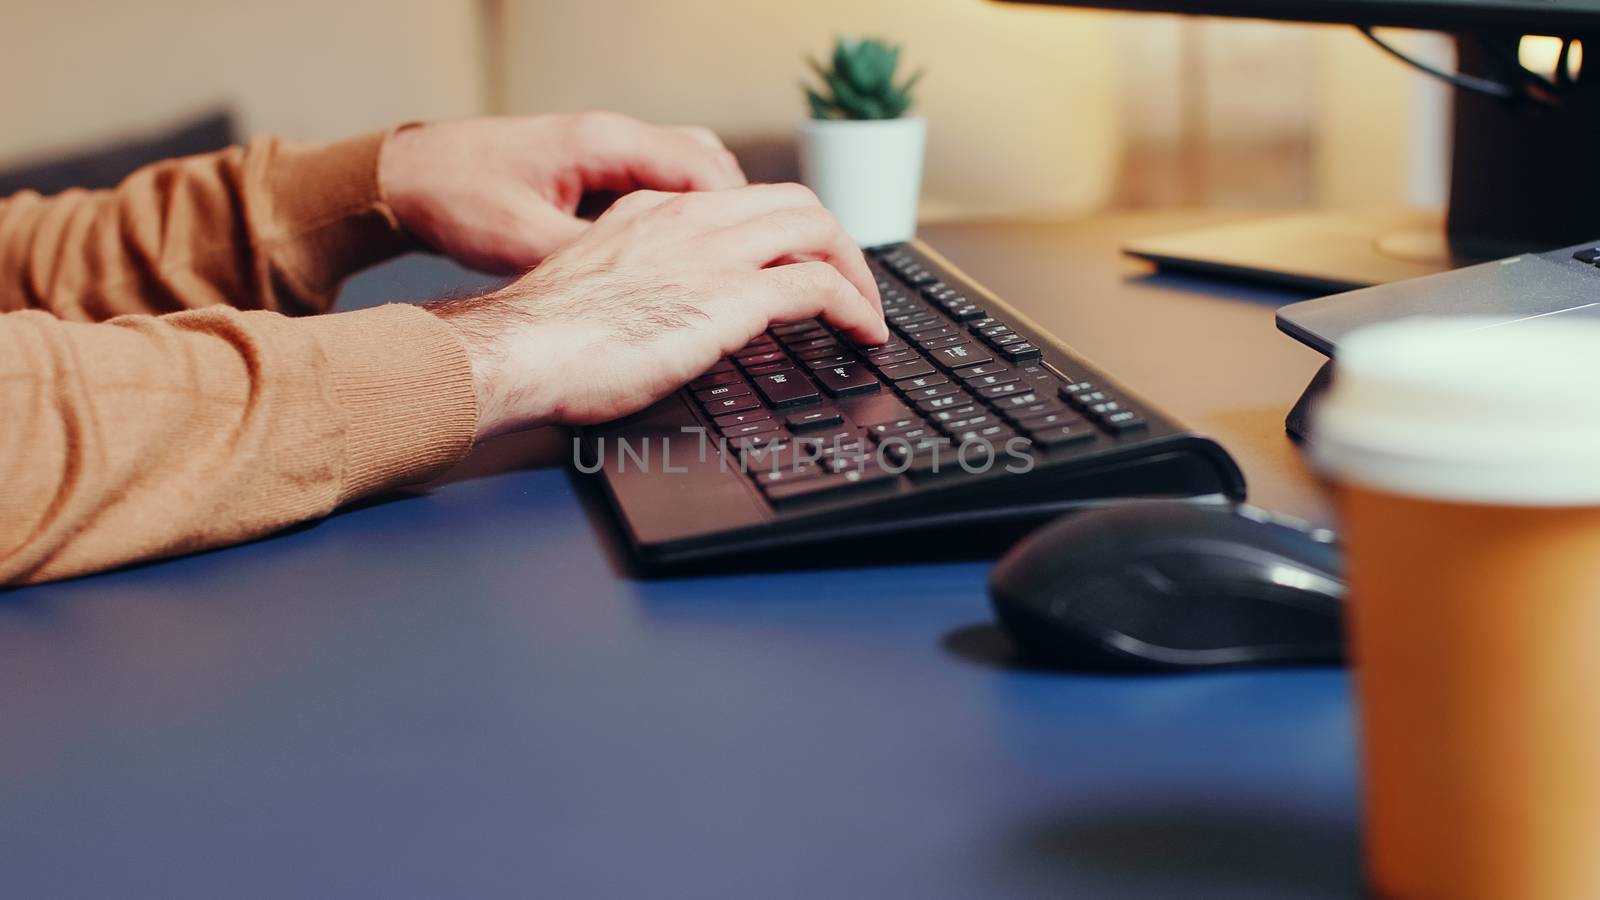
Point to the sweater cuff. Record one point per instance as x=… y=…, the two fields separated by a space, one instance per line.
x=330 y=197
x=404 y=383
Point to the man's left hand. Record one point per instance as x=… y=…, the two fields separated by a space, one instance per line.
x=499 y=194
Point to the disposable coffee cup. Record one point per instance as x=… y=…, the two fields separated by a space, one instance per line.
x=1466 y=458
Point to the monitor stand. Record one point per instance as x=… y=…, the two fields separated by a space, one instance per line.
x=1518 y=183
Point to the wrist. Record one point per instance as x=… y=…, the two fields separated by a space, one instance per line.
x=511 y=379
x=399 y=169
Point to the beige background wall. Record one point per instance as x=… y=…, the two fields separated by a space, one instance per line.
x=1023 y=114
x=1032 y=110
x=77 y=70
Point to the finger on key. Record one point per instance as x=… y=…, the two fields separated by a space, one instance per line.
x=801 y=290
x=798 y=233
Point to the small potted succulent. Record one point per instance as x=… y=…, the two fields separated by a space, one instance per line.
x=860 y=151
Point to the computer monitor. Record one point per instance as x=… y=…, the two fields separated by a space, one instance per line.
x=1522 y=176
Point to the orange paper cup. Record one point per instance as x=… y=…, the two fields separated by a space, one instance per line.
x=1468 y=462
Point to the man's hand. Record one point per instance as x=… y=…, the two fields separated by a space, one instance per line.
x=655 y=292
x=499 y=194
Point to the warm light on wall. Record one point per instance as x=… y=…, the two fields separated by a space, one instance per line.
x=1541 y=54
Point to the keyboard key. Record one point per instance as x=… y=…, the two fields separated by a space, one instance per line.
x=938 y=403
x=1082 y=398
x=1590 y=256
x=786 y=388
x=1101 y=410
x=919 y=316
x=923 y=381
x=1015 y=401
x=1123 y=421
x=1074 y=388
x=822 y=362
x=943 y=342
x=800 y=452
x=761 y=439
x=723 y=365
x=970 y=422
x=843 y=462
x=979 y=382
x=784 y=476
x=753 y=428
x=952 y=413
x=928 y=393
x=713 y=379
x=1034 y=409
x=885 y=428
x=1016 y=352
x=823 y=485
x=760 y=345
x=966 y=313
x=829 y=342
x=914 y=434
x=892 y=357
x=833 y=349
x=738 y=389
x=1004 y=390
x=852 y=378
x=1005 y=340
x=920 y=460
x=961 y=355
x=842 y=438
x=904 y=370
x=743 y=418
x=886 y=347
x=814 y=419
x=917 y=328
x=731 y=405
x=926 y=336
x=1063 y=435
x=994 y=434
x=769 y=368
x=756 y=359
x=1046 y=420
x=971 y=372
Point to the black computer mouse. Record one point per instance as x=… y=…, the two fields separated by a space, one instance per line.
x=1173 y=585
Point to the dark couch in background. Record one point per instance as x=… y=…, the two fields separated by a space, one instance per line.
x=105 y=165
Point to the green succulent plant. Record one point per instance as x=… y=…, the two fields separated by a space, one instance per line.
x=860 y=83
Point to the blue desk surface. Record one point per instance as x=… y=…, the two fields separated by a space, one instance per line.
x=462 y=693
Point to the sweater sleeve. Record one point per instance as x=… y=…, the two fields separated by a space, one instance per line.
x=274 y=226
x=151 y=436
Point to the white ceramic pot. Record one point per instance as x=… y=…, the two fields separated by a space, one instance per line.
x=868 y=173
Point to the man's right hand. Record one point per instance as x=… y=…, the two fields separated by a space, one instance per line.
x=661 y=287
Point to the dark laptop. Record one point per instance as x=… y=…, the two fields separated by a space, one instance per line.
x=1516 y=289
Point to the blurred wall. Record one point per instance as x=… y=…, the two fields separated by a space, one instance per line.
x=1382 y=128
x=1032 y=110
x=73 y=71
x=1023 y=115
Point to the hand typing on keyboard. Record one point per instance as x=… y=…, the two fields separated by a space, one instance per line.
x=659 y=289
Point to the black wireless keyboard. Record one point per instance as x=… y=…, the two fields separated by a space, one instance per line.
x=969 y=423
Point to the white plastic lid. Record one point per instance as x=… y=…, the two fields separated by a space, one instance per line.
x=1468 y=409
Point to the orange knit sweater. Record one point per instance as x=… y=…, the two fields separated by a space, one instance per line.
x=156 y=397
